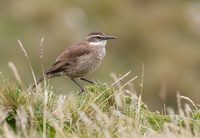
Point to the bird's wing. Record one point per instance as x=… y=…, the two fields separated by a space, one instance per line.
x=69 y=57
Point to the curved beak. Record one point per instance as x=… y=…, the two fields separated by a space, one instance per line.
x=110 y=37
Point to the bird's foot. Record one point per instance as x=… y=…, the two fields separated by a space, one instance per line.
x=97 y=82
x=81 y=92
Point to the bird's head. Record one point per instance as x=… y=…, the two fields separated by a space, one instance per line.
x=98 y=38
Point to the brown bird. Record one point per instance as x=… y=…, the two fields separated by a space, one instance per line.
x=80 y=59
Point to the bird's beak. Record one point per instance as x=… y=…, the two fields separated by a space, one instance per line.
x=110 y=37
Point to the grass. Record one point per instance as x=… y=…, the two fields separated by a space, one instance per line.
x=102 y=111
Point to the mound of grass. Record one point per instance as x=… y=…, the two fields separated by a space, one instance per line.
x=102 y=111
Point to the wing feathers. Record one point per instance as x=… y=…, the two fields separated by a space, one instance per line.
x=69 y=57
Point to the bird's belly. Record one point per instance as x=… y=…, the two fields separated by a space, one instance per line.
x=84 y=66
x=94 y=66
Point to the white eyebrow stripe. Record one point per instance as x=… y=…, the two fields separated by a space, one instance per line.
x=95 y=36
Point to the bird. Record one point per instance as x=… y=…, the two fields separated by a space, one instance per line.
x=79 y=59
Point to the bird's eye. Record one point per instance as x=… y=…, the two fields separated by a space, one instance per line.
x=98 y=37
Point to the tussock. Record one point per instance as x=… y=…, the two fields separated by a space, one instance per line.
x=102 y=111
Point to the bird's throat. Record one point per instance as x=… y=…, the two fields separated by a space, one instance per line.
x=99 y=43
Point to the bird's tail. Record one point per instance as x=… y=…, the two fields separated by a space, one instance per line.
x=46 y=76
x=40 y=80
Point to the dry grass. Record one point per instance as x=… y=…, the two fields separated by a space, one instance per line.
x=103 y=111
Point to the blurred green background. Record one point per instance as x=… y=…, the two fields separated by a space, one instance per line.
x=162 y=34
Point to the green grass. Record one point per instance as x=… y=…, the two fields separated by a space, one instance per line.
x=102 y=111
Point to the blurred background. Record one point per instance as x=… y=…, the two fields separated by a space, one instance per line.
x=162 y=34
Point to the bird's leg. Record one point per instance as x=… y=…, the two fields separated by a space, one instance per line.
x=89 y=81
x=82 y=89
